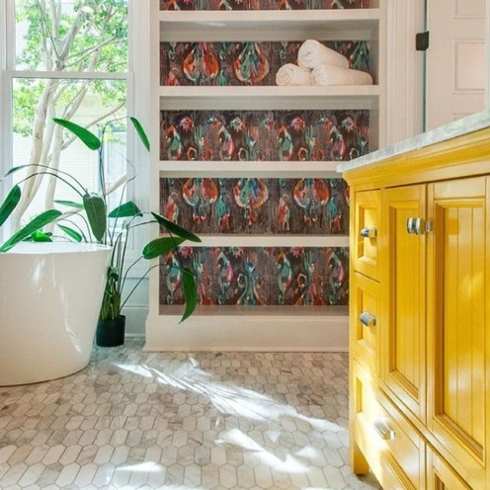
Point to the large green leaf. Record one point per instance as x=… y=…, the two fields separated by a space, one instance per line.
x=86 y=136
x=36 y=224
x=176 y=229
x=161 y=246
x=126 y=210
x=9 y=204
x=190 y=293
x=96 y=210
x=73 y=234
x=141 y=132
x=70 y=204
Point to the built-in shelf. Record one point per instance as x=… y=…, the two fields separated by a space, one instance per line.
x=257 y=328
x=263 y=169
x=270 y=97
x=237 y=240
x=356 y=24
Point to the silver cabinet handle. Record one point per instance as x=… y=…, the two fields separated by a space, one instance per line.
x=418 y=226
x=369 y=232
x=411 y=226
x=367 y=319
x=384 y=432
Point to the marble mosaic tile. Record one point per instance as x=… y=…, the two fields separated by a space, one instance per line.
x=206 y=421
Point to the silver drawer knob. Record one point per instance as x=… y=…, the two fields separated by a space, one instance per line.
x=384 y=432
x=367 y=319
x=369 y=232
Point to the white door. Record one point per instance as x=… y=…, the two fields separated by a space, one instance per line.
x=456 y=60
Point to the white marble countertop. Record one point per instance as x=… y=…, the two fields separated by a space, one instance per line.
x=466 y=125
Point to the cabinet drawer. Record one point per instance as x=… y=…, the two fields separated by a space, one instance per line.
x=402 y=441
x=364 y=318
x=440 y=475
x=365 y=233
x=387 y=470
x=385 y=438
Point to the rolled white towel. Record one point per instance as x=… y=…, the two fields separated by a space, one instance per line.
x=332 y=75
x=312 y=53
x=290 y=74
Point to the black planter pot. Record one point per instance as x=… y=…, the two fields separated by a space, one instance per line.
x=110 y=333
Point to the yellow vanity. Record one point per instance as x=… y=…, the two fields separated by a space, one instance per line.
x=420 y=310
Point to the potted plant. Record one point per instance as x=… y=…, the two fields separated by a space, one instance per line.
x=111 y=325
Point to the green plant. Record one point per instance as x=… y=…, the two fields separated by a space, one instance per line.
x=95 y=206
x=36 y=224
x=125 y=217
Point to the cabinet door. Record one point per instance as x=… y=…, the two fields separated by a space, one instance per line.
x=458 y=312
x=403 y=311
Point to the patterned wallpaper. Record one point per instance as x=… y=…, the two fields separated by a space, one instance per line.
x=259 y=276
x=257 y=206
x=261 y=4
x=241 y=63
x=316 y=135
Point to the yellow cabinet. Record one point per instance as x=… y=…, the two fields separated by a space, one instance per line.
x=403 y=342
x=364 y=312
x=364 y=231
x=440 y=476
x=420 y=371
x=458 y=342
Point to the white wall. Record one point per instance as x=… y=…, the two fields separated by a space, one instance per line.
x=404 y=70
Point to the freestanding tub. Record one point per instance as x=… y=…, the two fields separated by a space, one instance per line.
x=50 y=298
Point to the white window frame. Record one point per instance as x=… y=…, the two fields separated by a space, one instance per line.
x=137 y=80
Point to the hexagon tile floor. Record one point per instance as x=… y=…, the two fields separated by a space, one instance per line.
x=137 y=420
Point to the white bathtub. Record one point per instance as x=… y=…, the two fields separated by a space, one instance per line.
x=50 y=298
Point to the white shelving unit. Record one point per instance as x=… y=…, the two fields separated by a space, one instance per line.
x=272 y=327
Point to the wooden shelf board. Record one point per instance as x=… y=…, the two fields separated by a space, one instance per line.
x=238 y=240
x=262 y=169
x=268 y=25
x=270 y=97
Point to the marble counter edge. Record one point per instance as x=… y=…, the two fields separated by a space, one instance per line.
x=460 y=127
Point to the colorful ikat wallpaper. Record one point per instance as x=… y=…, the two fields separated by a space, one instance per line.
x=315 y=135
x=241 y=63
x=257 y=206
x=259 y=276
x=261 y=4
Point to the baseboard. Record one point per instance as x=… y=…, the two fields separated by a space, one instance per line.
x=254 y=332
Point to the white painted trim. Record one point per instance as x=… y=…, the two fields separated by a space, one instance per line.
x=3 y=97
x=154 y=135
x=237 y=240
x=487 y=57
x=185 y=92
x=135 y=319
x=257 y=333
x=404 y=74
x=63 y=75
x=324 y=170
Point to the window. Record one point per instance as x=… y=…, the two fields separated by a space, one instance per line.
x=67 y=59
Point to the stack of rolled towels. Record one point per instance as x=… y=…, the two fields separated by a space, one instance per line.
x=319 y=65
